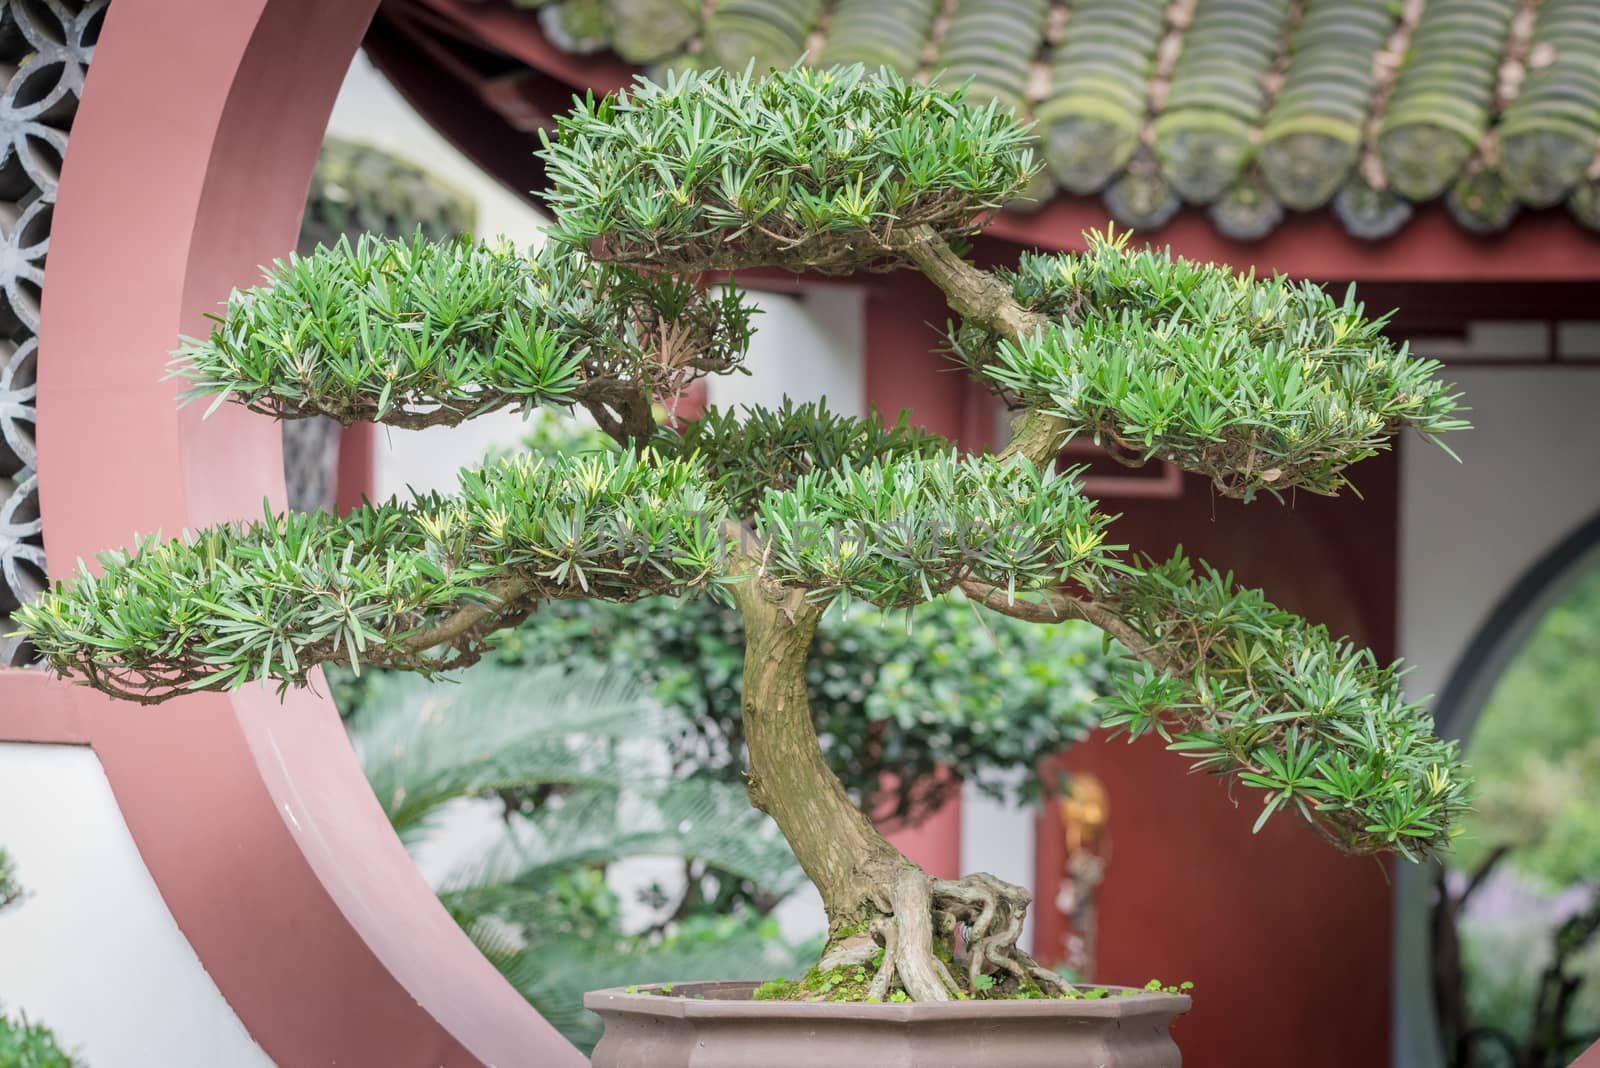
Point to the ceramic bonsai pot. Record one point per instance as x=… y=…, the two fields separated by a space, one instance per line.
x=717 y=1025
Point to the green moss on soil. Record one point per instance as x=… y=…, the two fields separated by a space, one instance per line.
x=851 y=982
x=779 y=989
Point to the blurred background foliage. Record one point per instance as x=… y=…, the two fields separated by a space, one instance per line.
x=1518 y=962
x=25 y=1043
x=1536 y=750
x=570 y=760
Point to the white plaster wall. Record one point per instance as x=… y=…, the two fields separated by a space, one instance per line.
x=427 y=460
x=806 y=347
x=92 y=952
x=1529 y=474
x=369 y=111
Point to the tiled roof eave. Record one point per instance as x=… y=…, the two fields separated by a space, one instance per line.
x=1252 y=111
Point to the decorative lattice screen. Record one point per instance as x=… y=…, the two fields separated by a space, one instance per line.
x=45 y=48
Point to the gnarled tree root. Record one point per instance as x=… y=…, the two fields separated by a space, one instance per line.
x=978 y=917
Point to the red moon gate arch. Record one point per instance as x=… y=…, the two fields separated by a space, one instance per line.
x=187 y=168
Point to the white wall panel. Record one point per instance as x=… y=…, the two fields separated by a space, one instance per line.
x=92 y=951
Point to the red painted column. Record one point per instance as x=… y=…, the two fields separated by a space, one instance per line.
x=354 y=475
x=905 y=317
x=904 y=371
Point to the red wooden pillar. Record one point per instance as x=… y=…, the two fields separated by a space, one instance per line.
x=904 y=372
x=354 y=476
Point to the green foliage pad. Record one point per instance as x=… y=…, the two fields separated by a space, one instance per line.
x=1248 y=690
x=414 y=586
x=807 y=169
x=1261 y=385
x=417 y=333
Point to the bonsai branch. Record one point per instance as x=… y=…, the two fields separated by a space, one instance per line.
x=462 y=622
x=1052 y=606
x=618 y=398
x=418 y=415
x=982 y=298
x=974 y=293
x=1038 y=435
x=621 y=409
x=460 y=635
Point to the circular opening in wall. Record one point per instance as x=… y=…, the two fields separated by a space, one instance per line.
x=1512 y=915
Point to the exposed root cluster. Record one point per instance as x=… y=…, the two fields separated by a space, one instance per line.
x=940 y=940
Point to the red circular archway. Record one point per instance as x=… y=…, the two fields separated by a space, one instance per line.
x=188 y=165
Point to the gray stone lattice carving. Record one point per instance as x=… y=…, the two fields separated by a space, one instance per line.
x=45 y=49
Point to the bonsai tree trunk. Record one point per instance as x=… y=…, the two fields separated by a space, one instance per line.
x=875 y=898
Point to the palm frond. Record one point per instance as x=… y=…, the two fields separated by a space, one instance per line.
x=423 y=744
x=530 y=902
x=554 y=974
x=701 y=819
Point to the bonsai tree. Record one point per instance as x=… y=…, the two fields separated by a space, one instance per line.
x=1265 y=386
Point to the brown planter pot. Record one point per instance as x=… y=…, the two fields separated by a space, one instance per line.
x=728 y=1030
